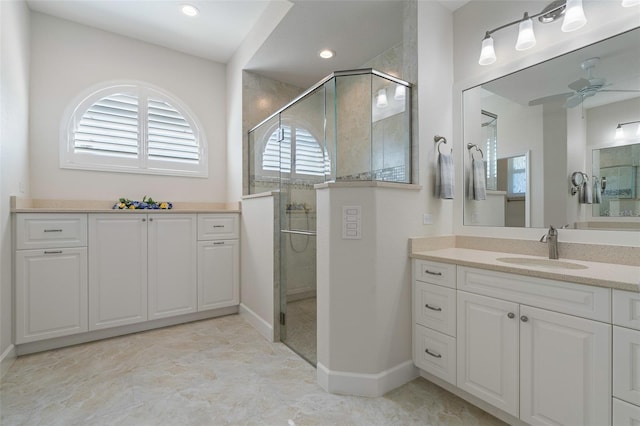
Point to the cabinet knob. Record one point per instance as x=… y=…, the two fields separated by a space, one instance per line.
x=524 y=318
x=150 y=219
x=511 y=315
x=144 y=220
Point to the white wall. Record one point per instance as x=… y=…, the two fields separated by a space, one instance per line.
x=257 y=264
x=67 y=59
x=605 y=19
x=14 y=136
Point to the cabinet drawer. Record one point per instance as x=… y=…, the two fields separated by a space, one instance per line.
x=435 y=353
x=435 y=273
x=575 y=299
x=625 y=414
x=626 y=309
x=626 y=364
x=435 y=307
x=37 y=231
x=218 y=226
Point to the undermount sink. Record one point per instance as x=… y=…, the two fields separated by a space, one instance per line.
x=543 y=263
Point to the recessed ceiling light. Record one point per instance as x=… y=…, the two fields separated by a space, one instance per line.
x=326 y=54
x=190 y=10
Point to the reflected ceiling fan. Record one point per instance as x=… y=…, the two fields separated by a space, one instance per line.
x=582 y=88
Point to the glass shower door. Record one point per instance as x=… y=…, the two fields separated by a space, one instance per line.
x=303 y=164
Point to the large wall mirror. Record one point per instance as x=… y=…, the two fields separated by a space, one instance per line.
x=541 y=146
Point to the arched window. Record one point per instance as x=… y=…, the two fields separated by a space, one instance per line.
x=133 y=128
x=298 y=143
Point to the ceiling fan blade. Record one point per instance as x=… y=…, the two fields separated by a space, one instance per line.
x=552 y=98
x=579 y=84
x=621 y=90
x=574 y=101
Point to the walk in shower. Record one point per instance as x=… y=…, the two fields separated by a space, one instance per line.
x=351 y=126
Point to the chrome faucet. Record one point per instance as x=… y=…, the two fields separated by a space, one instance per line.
x=551 y=238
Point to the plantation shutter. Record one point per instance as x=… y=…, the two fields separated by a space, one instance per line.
x=109 y=126
x=169 y=135
x=310 y=158
x=309 y=155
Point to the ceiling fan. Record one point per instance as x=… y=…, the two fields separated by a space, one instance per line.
x=582 y=88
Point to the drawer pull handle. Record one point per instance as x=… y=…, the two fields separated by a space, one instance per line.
x=437 y=274
x=218 y=226
x=435 y=355
x=433 y=308
x=511 y=315
x=218 y=243
x=53 y=252
x=53 y=230
x=524 y=318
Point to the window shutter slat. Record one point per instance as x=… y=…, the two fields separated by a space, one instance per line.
x=169 y=134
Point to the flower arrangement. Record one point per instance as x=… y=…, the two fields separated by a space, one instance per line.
x=146 y=203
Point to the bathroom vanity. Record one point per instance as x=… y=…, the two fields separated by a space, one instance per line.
x=545 y=341
x=95 y=273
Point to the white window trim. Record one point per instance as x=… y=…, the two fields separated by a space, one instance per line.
x=142 y=165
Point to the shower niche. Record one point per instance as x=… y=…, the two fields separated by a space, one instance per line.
x=351 y=126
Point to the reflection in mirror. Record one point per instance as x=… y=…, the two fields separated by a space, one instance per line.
x=557 y=113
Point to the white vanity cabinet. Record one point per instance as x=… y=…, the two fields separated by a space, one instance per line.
x=50 y=276
x=218 y=261
x=434 y=318
x=521 y=353
x=626 y=358
x=172 y=269
x=117 y=269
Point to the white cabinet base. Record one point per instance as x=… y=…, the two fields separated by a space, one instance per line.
x=625 y=414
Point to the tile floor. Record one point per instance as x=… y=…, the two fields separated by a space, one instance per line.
x=301 y=328
x=212 y=372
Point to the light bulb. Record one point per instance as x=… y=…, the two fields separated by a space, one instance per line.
x=487 y=54
x=526 y=38
x=381 y=99
x=400 y=93
x=326 y=54
x=619 y=132
x=190 y=10
x=574 y=18
x=638 y=131
x=630 y=3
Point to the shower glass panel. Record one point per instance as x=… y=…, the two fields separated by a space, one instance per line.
x=303 y=164
x=352 y=125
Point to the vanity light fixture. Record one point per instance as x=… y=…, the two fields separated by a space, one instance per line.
x=573 y=19
x=190 y=10
x=620 y=130
x=630 y=3
x=381 y=99
x=326 y=54
x=401 y=93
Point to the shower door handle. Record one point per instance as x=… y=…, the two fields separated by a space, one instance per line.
x=295 y=232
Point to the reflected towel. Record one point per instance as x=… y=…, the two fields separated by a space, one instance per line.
x=586 y=192
x=479 y=183
x=445 y=177
x=597 y=191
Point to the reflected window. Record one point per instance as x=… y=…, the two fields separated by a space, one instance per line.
x=517 y=180
x=299 y=144
x=490 y=141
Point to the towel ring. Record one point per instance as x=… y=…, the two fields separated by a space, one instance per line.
x=472 y=145
x=441 y=140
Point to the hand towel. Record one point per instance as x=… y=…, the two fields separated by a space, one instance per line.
x=586 y=192
x=445 y=177
x=597 y=191
x=479 y=184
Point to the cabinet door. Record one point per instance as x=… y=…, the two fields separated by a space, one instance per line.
x=565 y=369
x=488 y=350
x=218 y=274
x=625 y=414
x=626 y=364
x=117 y=269
x=172 y=265
x=51 y=293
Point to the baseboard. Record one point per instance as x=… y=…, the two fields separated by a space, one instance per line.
x=6 y=360
x=359 y=384
x=262 y=326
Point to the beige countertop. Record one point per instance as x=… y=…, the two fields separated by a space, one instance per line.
x=21 y=205
x=622 y=277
